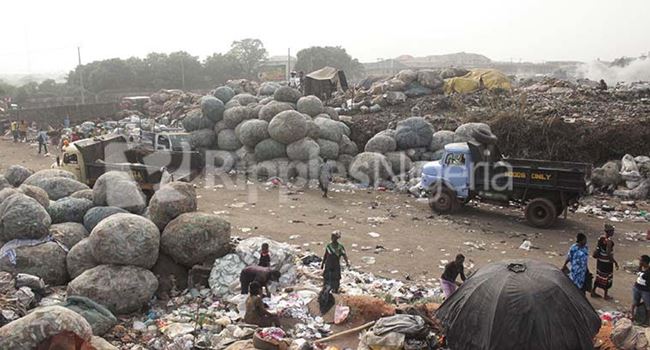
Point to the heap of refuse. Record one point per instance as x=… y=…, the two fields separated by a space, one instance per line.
x=171 y=104
x=628 y=178
x=277 y=133
x=111 y=250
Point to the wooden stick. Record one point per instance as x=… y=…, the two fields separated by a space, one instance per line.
x=349 y=331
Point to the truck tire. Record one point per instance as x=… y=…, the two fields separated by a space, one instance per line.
x=443 y=200
x=485 y=137
x=541 y=212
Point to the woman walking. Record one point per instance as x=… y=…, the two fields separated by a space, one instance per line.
x=331 y=264
x=578 y=258
x=605 y=262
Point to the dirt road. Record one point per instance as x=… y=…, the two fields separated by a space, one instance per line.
x=415 y=242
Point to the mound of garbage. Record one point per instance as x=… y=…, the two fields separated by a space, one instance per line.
x=272 y=132
x=628 y=178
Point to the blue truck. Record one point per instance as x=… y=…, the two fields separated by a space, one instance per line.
x=472 y=170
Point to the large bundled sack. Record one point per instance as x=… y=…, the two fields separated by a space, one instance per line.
x=121 y=289
x=170 y=201
x=331 y=129
x=395 y=97
x=194 y=120
x=125 y=239
x=407 y=76
x=451 y=72
x=430 y=78
x=219 y=127
x=347 y=146
x=100 y=318
x=440 y=139
x=17 y=174
x=251 y=132
x=194 y=238
x=302 y=169
x=245 y=99
x=7 y=192
x=4 y=183
x=204 y=138
x=69 y=210
x=413 y=132
x=225 y=272
x=416 y=90
x=268 y=88
x=37 y=193
x=68 y=233
x=313 y=130
x=288 y=127
x=272 y=109
x=84 y=194
x=80 y=258
x=470 y=132
x=212 y=108
x=219 y=162
x=48 y=173
x=639 y=192
x=399 y=161
x=265 y=169
x=41 y=258
x=607 y=176
x=627 y=336
x=369 y=168
x=37 y=327
x=381 y=144
x=117 y=189
x=303 y=149
x=328 y=149
x=224 y=93
x=270 y=149
x=59 y=187
x=235 y=115
x=310 y=105
x=22 y=217
x=97 y=214
x=287 y=94
x=227 y=140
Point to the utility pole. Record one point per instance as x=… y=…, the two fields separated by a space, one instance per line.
x=182 y=74
x=81 y=77
x=288 y=63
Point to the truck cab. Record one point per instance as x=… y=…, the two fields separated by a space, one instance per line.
x=452 y=170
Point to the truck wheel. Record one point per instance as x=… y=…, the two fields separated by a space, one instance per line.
x=541 y=212
x=443 y=200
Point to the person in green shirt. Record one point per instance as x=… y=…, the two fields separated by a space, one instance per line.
x=331 y=264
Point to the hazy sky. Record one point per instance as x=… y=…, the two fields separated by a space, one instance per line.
x=41 y=36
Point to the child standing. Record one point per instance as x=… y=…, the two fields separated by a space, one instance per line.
x=265 y=256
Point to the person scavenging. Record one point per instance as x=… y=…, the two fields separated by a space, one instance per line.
x=260 y=274
x=605 y=262
x=331 y=264
x=256 y=312
x=325 y=178
x=42 y=139
x=265 y=256
x=450 y=274
x=641 y=288
x=578 y=259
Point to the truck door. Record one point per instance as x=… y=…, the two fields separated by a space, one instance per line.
x=456 y=173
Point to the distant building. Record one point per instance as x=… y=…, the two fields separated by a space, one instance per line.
x=276 y=68
x=384 y=67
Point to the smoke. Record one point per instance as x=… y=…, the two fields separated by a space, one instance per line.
x=637 y=70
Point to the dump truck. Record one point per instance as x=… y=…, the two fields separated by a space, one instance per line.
x=473 y=170
x=92 y=157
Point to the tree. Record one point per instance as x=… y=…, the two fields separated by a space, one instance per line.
x=6 y=89
x=249 y=53
x=219 y=68
x=317 y=57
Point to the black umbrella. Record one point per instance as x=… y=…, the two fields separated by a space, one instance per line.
x=518 y=304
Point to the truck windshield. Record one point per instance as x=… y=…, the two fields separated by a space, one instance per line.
x=180 y=142
x=455 y=159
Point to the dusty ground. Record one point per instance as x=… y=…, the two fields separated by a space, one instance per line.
x=414 y=240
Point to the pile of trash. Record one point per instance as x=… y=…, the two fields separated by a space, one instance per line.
x=373 y=94
x=171 y=104
x=112 y=251
x=628 y=179
x=282 y=134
